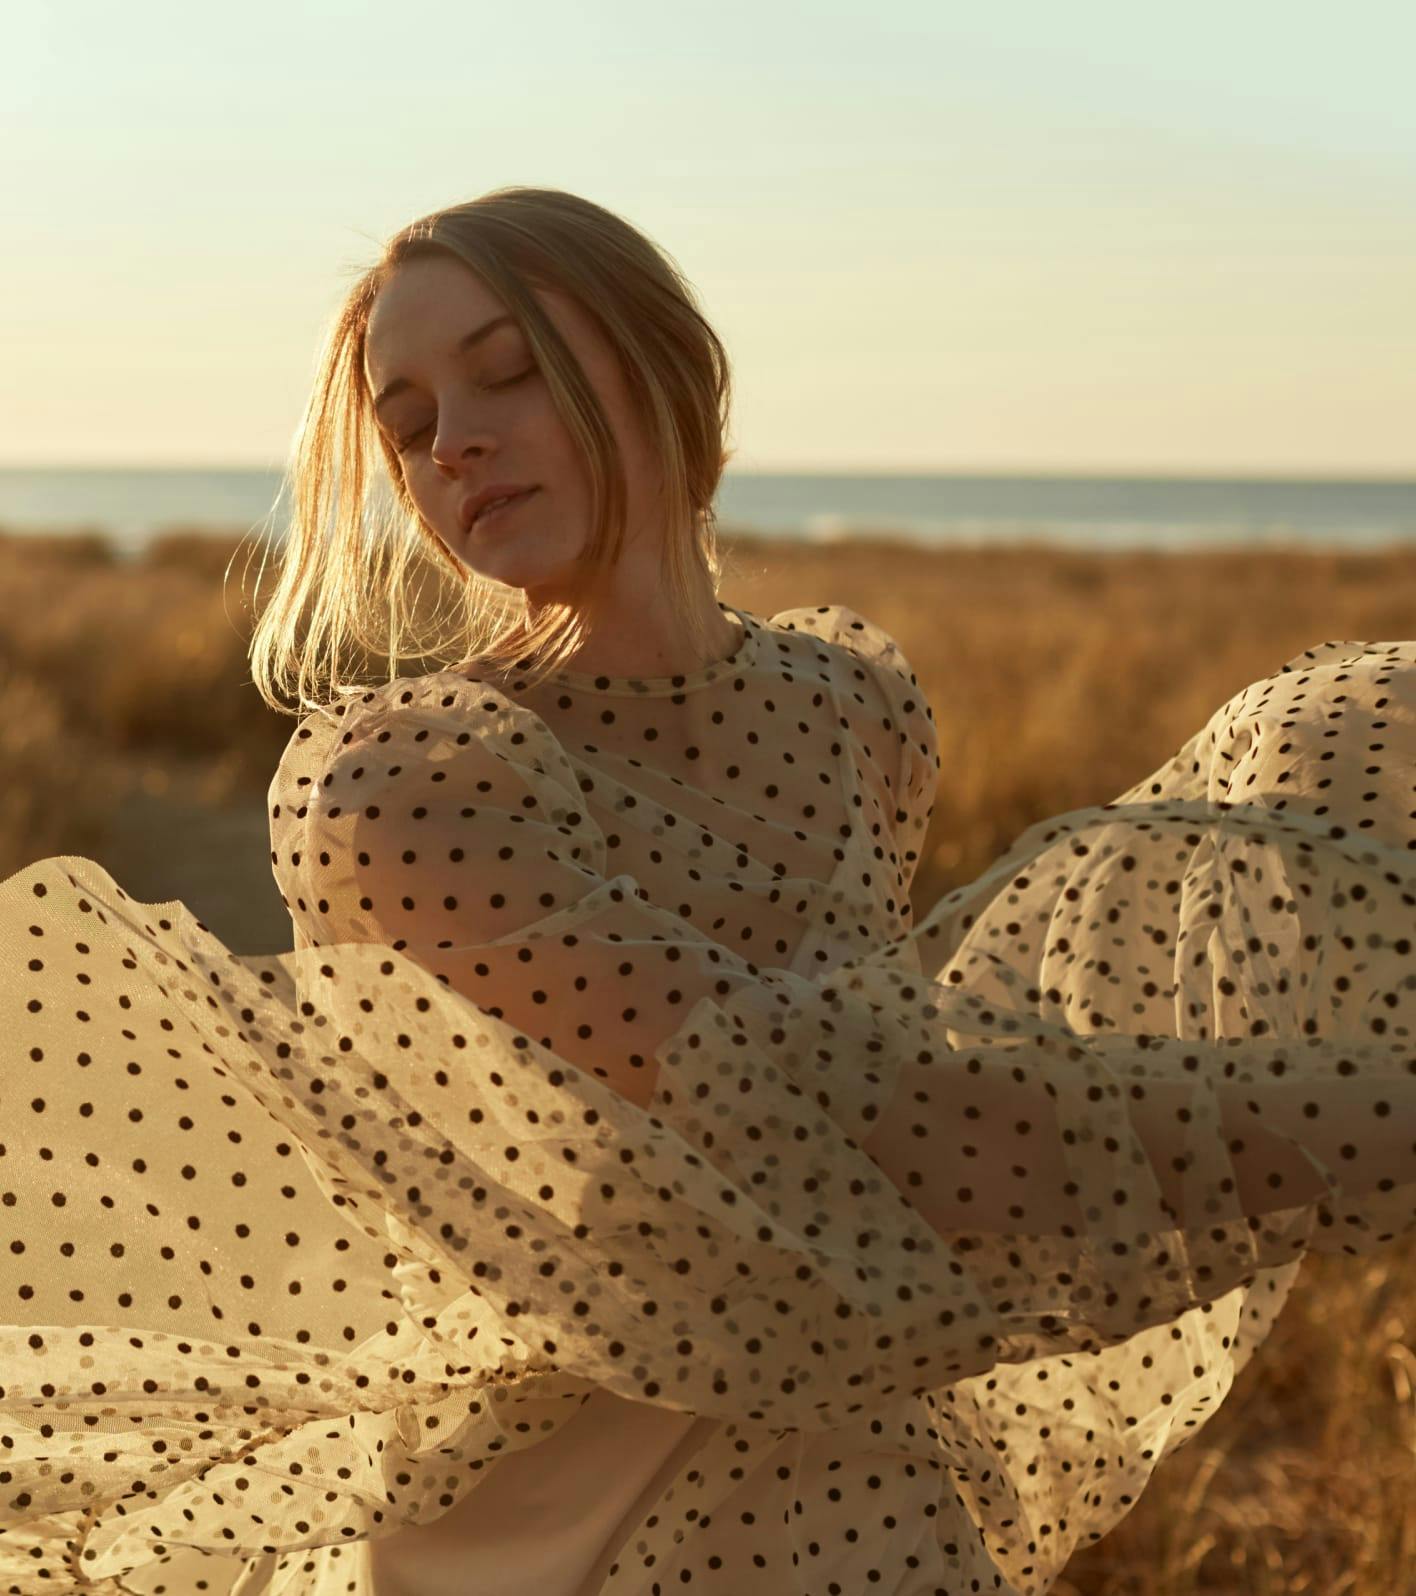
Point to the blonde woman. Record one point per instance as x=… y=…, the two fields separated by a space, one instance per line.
x=613 y=1190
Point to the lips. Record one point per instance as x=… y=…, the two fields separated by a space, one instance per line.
x=481 y=503
x=497 y=504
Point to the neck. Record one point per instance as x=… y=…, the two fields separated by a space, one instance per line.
x=637 y=631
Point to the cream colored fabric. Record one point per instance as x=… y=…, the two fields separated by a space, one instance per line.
x=607 y=1060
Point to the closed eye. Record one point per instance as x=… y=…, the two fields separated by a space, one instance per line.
x=400 y=444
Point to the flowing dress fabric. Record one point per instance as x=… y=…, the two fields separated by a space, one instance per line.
x=608 y=1080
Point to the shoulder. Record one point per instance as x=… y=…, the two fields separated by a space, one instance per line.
x=427 y=712
x=427 y=719
x=843 y=638
x=308 y=748
x=843 y=630
x=866 y=660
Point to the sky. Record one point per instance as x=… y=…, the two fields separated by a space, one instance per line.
x=933 y=237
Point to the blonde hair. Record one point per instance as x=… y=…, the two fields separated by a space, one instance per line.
x=345 y=561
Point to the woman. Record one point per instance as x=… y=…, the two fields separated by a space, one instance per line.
x=612 y=1190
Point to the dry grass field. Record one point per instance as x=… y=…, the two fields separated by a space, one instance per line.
x=129 y=732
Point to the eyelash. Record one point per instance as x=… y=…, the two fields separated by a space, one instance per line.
x=400 y=444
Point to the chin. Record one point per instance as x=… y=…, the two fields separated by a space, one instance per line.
x=508 y=568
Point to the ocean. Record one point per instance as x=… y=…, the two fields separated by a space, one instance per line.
x=1097 y=512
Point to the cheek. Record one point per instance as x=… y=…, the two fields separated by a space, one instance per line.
x=417 y=500
x=420 y=483
x=422 y=498
x=540 y=427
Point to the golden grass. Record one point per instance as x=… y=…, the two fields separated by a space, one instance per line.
x=1058 y=679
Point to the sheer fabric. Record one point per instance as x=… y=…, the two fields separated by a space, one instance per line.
x=608 y=1063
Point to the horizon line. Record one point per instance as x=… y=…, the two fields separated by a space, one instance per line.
x=1111 y=473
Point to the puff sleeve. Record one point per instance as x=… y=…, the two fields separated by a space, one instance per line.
x=912 y=718
x=904 y=739
x=447 y=824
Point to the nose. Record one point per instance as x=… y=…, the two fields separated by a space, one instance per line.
x=460 y=437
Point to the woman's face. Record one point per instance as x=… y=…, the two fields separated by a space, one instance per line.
x=465 y=415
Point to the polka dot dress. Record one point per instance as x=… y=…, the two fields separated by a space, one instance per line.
x=614 y=1191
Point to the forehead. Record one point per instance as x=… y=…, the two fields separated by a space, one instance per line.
x=423 y=302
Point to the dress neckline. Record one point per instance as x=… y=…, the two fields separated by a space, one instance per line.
x=743 y=654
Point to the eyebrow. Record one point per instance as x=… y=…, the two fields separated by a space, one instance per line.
x=390 y=389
